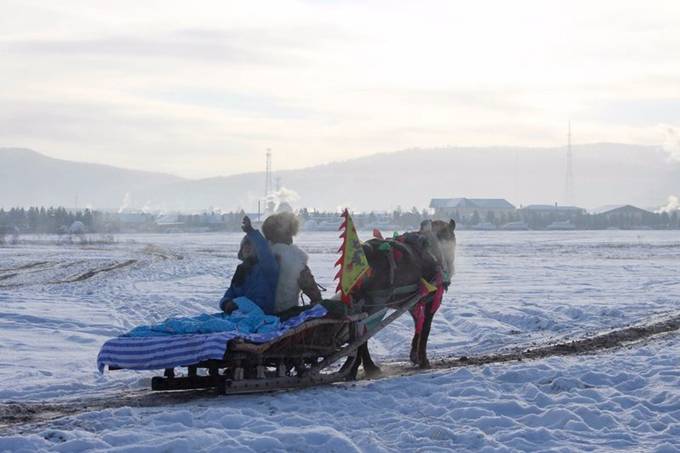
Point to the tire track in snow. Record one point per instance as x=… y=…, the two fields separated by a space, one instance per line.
x=586 y=345
x=25 y=266
x=20 y=417
x=92 y=272
x=34 y=268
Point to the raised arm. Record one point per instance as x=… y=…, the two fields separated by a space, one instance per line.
x=265 y=257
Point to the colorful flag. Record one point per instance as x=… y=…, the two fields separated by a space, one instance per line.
x=353 y=263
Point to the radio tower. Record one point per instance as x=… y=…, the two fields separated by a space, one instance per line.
x=569 y=177
x=268 y=175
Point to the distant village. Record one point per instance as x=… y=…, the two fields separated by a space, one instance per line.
x=469 y=213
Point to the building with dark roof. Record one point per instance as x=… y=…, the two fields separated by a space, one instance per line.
x=619 y=209
x=540 y=216
x=624 y=216
x=543 y=209
x=471 y=210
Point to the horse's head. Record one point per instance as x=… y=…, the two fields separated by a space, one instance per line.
x=443 y=243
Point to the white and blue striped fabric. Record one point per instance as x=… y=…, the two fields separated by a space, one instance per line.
x=153 y=353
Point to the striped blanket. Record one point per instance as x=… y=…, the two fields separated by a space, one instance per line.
x=153 y=353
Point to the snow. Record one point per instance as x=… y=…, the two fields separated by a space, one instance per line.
x=511 y=288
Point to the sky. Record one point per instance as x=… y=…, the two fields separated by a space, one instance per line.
x=204 y=88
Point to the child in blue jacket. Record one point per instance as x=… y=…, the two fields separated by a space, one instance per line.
x=257 y=275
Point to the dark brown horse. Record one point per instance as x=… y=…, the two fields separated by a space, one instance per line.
x=400 y=264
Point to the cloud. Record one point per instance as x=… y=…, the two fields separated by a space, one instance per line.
x=672 y=143
x=634 y=112
x=210 y=87
x=283 y=45
x=233 y=101
x=219 y=48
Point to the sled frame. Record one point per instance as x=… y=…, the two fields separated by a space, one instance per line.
x=305 y=356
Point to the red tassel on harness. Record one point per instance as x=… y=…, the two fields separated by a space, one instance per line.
x=439 y=294
x=418 y=314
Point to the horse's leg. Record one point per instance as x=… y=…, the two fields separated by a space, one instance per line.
x=423 y=362
x=355 y=367
x=414 y=342
x=414 y=349
x=370 y=368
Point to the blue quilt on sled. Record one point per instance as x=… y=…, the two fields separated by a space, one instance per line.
x=248 y=318
x=186 y=341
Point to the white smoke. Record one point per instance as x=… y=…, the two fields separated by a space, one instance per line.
x=672 y=205
x=284 y=195
x=127 y=200
x=671 y=143
x=280 y=200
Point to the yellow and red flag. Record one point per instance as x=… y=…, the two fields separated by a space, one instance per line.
x=353 y=263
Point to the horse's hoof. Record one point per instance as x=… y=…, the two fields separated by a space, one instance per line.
x=372 y=372
x=425 y=365
x=351 y=377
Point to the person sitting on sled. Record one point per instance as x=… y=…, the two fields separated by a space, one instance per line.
x=257 y=275
x=294 y=274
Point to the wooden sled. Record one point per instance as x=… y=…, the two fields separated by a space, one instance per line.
x=320 y=351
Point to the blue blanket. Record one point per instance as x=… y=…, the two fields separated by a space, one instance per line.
x=248 y=318
x=140 y=350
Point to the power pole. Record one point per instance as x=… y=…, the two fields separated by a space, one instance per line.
x=516 y=176
x=268 y=175
x=569 y=177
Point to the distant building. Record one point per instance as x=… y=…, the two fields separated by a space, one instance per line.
x=561 y=225
x=209 y=219
x=322 y=224
x=515 y=226
x=168 y=222
x=551 y=216
x=380 y=221
x=552 y=209
x=126 y=221
x=625 y=216
x=484 y=226
x=136 y=218
x=471 y=210
x=168 y=219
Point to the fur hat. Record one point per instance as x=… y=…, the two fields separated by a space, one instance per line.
x=280 y=228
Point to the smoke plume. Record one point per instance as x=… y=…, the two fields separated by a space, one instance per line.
x=125 y=205
x=673 y=204
x=283 y=195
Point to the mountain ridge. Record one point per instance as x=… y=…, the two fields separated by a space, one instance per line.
x=605 y=173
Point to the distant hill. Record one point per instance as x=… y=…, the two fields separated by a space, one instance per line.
x=605 y=173
x=29 y=178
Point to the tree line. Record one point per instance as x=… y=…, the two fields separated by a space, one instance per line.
x=41 y=220
x=58 y=220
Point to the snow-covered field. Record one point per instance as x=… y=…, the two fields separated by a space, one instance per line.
x=59 y=303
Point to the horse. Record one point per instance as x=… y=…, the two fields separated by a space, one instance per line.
x=401 y=263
